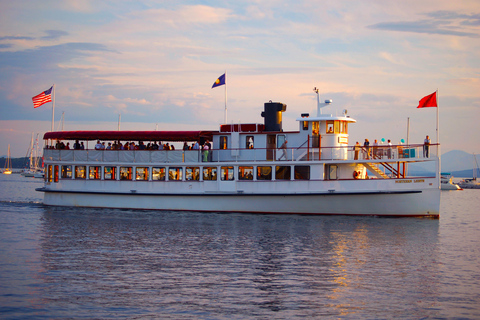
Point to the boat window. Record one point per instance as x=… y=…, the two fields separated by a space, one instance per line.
x=264 y=173
x=109 y=173
x=126 y=173
x=66 y=172
x=223 y=142
x=192 y=173
x=158 y=173
x=332 y=172
x=304 y=125
x=50 y=173
x=249 y=144
x=209 y=173
x=55 y=173
x=336 y=126
x=226 y=173
x=315 y=128
x=282 y=173
x=343 y=127
x=175 y=173
x=329 y=126
x=94 y=173
x=141 y=173
x=245 y=173
x=80 y=172
x=302 y=172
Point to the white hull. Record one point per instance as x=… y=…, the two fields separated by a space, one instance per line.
x=364 y=200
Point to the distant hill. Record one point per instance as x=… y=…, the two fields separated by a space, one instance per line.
x=457 y=160
x=17 y=163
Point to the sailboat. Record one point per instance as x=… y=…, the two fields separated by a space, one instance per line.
x=33 y=160
x=8 y=163
x=471 y=183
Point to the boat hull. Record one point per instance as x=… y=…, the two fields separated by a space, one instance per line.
x=416 y=203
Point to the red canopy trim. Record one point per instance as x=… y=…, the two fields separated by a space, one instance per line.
x=129 y=135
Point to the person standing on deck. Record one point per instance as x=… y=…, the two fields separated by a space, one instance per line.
x=284 y=150
x=426 y=147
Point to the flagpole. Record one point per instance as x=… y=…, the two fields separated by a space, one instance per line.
x=225 y=96
x=53 y=107
x=439 y=169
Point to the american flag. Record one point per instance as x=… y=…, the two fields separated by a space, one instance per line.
x=42 y=98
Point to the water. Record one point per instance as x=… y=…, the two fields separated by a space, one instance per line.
x=104 y=263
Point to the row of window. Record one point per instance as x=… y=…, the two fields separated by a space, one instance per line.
x=333 y=126
x=225 y=173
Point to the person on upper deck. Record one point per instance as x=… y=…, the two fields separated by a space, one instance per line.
x=426 y=147
x=366 y=146
x=284 y=150
x=98 y=146
x=356 y=148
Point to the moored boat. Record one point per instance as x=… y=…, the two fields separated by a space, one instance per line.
x=8 y=163
x=253 y=167
x=446 y=182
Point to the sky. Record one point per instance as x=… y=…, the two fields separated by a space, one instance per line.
x=152 y=64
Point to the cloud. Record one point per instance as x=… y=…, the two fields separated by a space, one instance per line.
x=440 y=22
x=16 y=38
x=54 y=34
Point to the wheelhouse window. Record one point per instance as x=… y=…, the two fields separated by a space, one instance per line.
x=175 y=173
x=226 y=174
x=66 y=172
x=249 y=142
x=302 y=172
x=330 y=126
x=158 y=173
x=109 y=173
x=264 y=173
x=245 y=173
x=94 y=173
x=223 y=142
x=209 y=173
x=192 y=173
x=337 y=126
x=141 y=173
x=304 y=125
x=126 y=173
x=80 y=172
x=282 y=173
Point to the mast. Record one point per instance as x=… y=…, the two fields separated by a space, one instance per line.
x=53 y=107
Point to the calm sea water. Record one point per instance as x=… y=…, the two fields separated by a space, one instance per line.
x=101 y=263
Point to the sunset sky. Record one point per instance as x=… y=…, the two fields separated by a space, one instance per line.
x=154 y=63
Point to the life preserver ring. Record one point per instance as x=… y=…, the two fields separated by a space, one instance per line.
x=356 y=174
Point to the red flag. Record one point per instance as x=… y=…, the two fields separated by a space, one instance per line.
x=42 y=98
x=428 y=101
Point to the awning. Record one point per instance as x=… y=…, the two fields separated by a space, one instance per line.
x=179 y=136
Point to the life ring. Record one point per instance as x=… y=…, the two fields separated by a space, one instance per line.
x=356 y=174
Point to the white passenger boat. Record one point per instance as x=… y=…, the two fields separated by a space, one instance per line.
x=316 y=172
x=446 y=182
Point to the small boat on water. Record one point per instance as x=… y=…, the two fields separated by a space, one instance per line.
x=446 y=182
x=8 y=163
x=248 y=167
x=471 y=183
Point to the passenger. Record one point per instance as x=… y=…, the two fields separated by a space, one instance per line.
x=109 y=147
x=98 y=146
x=67 y=147
x=132 y=146
x=76 y=145
x=375 y=149
x=185 y=146
x=366 y=149
x=284 y=150
x=82 y=146
x=196 y=146
x=356 y=148
x=426 y=146
x=205 y=153
x=209 y=145
x=389 y=150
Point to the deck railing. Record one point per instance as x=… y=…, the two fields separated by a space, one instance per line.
x=380 y=153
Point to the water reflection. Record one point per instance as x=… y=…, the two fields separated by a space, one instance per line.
x=219 y=265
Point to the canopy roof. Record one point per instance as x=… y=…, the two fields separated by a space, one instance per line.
x=129 y=135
